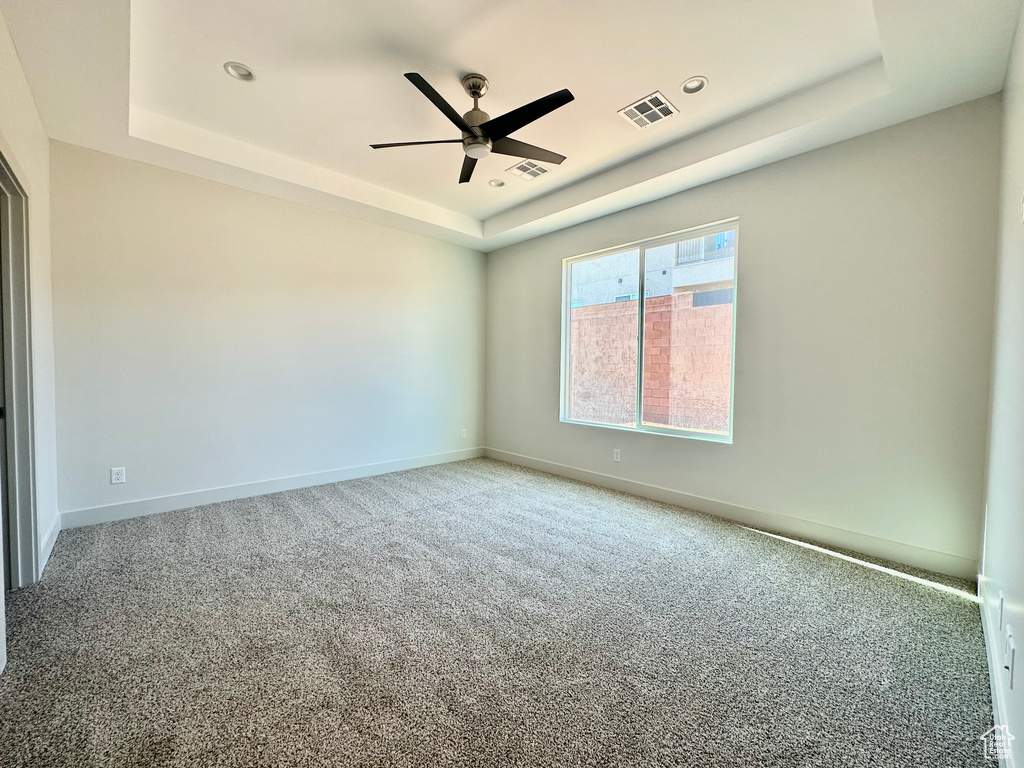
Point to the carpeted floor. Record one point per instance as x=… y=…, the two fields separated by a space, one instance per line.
x=479 y=614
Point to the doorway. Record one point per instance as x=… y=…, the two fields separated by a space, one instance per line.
x=19 y=536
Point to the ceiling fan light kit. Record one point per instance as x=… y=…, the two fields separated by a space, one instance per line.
x=480 y=134
x=476 y=147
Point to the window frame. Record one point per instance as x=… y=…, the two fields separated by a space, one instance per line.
x=703 y=230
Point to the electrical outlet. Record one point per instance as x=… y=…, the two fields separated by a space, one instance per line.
x=116 y=475
x=616 y=454
x=463 y=433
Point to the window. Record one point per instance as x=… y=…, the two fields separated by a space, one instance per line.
x=716 y=296
x=661 y=364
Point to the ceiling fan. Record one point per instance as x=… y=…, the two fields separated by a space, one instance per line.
x=480 y=134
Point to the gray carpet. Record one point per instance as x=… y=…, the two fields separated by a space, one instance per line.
x=478 y=614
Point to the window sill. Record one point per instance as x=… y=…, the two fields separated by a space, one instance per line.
x=708 y=437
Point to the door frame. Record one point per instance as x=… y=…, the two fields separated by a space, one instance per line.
x=22 y=536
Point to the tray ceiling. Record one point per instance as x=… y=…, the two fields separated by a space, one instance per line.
x=145 y=80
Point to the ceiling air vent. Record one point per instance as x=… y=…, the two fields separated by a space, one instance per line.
x=649 y=109
x=527 y=170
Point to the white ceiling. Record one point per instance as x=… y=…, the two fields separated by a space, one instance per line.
x=144 y=79
x=329 y=78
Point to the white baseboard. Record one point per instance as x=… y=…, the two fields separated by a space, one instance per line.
x=994 y=653
x=47 y=542
x=76 y=518
x=919 y=557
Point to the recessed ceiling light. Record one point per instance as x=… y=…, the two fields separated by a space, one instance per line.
x=694 y=84
x=496 y=183
x=239 y=71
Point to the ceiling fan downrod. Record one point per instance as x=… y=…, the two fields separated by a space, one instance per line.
x=474 y=145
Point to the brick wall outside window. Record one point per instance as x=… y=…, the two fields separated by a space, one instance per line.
x=687 y=363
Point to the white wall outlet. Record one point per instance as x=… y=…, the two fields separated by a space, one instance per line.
x=616 y=454
x=116 y=475
x=463 y=433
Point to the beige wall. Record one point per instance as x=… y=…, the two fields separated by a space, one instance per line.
x=1004 y=528
x=24 y=144
x=864 y=319
x=209 y=337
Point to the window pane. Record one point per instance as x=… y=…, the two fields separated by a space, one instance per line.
x=603 y=320
x=688 y=317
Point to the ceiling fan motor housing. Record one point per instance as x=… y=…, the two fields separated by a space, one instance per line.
x=476 y=146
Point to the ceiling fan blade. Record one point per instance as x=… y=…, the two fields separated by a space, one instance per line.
x=416 y=143
x=438 y=101
x=515 y=148
x=502 y=126
x=468 y=164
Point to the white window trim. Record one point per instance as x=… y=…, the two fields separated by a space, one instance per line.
x=703 y=230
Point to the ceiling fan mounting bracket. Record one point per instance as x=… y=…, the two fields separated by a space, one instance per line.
x=475 y=85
